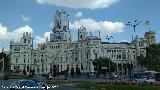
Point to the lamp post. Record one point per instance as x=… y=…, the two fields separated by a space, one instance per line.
x=108 y=38
x=134 y=24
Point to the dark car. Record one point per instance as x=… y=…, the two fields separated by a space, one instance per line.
x=25 y=85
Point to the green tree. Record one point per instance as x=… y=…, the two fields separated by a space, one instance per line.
x=72 y=72
x=152 y=59
x=31 y=73
x=6 y=61
x=6 y=64
x=141 y=61
x=104 y=62
x=24 y=71
x=64 y=73
x=78 y=72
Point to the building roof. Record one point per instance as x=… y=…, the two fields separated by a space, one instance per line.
x=92 y=38
x=116 y=43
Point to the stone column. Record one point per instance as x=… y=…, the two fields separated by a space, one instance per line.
x=122 y=70
x=117 y=71
x=127 y=71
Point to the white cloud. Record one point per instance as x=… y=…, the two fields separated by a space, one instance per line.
x=78 y=14
x=47 y=35
x=91 y=4
x=104 y=26
x=4 y=49
x=16 y=34
x=6 y=36
x=25 y=18
x=40 y=40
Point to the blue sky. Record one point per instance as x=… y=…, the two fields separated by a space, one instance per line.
x=108 y=16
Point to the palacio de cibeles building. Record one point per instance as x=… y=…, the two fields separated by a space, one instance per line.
x=61 y=53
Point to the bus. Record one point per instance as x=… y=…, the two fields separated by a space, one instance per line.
x=145 y=77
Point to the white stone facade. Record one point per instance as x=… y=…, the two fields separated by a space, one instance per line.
x=60 y=53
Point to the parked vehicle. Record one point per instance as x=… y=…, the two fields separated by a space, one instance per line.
x=39 y=82
x=25 y=85
x=145 y=77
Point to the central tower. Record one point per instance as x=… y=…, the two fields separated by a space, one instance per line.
x=60 y=31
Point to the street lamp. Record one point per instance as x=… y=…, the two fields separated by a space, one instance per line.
x=134 y=24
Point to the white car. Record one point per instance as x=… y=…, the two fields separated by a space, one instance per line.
x=145 y=79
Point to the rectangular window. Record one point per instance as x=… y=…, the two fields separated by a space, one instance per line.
x=16 y=49
x=75 y=58
x=95 y=56
x=124 y=56
x=80 y=36
x=61 y=59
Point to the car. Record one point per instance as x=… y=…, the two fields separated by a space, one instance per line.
x=25 y=85
x=145 y=79
x=39 y=82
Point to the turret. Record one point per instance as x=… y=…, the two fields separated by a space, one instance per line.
x=82 y=33
x=27 y=38
x=60 y=31
x=150 y=37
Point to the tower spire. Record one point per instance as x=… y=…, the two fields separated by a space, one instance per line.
x=90 y=33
